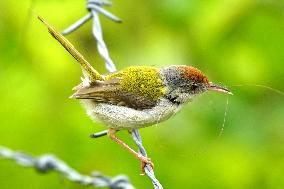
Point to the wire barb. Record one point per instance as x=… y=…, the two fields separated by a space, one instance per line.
x=47 y=163
x=92 y=5
x=99 y=134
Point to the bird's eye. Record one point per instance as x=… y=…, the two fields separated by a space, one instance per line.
x=194 y=86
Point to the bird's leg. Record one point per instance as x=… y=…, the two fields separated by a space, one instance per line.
x=144 y=160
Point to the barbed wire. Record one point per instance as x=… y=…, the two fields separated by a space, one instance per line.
x=148 y=168
x=95 y=8
x=47 y=163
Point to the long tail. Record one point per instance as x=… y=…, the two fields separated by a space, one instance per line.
x=86 y=66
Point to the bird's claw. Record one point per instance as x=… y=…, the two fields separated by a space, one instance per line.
x=145 y=161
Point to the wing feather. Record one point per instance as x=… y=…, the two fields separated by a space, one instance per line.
x=110 y=92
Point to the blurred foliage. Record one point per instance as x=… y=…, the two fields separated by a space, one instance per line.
x=234 y=42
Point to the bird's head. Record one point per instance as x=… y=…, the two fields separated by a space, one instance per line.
x=185 y=82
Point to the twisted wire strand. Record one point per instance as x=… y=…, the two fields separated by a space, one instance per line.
x=102 y=48
x=47 y=163
x=95 y=8
x=148 y=169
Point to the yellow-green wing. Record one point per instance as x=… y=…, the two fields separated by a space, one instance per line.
x=141 y=80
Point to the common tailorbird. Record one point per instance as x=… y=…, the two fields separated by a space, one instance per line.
x=137 y=96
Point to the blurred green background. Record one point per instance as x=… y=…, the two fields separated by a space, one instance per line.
x=234 y=42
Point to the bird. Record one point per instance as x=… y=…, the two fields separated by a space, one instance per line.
x=137 y=96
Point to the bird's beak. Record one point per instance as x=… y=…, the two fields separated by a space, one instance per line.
x=214 y=87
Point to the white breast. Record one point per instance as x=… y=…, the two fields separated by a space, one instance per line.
x=120 y=117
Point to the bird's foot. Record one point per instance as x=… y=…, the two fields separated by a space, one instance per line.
x=144 y=161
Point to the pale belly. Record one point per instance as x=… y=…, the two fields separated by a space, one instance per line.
x=120 y=117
